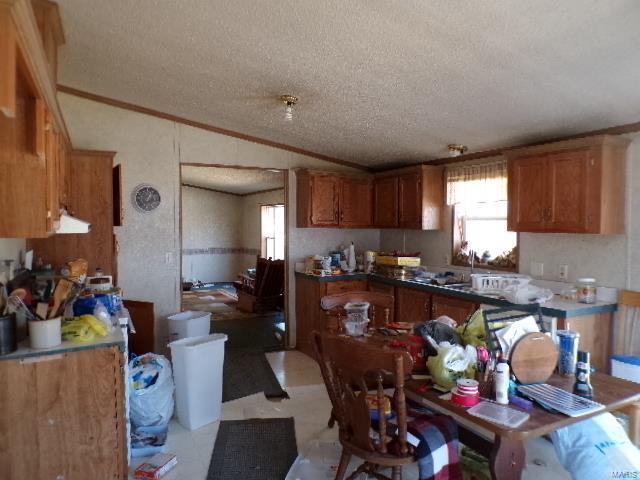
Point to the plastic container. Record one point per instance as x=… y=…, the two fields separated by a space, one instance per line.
x=45 y=333
x=189 y=324
x=355 y=329
x=586 y=290
x=197 y=372
x=626 y=367
x=357 y=311
x=568 y=345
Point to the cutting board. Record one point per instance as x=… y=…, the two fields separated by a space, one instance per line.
x=533 y=358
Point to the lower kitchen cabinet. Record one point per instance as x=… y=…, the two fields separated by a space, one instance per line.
x=386 y=289
x=63 y=416
x=309 y=315
x=412 y=305
x=456 y=308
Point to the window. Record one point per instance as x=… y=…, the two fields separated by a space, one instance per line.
x=272 y=245
x=478 y=194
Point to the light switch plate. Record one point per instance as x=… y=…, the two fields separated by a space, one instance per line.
x=537 y=269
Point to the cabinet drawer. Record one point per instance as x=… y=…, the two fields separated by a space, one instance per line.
x=346 y=286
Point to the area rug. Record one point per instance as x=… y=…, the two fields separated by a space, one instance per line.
x=219 y=295
x=261 y=333
x=247 y=371
x=255 y=449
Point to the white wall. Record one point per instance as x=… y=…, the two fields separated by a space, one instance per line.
x=210 y=222
x=614 y=260
x=150 y=150
x=10 y=249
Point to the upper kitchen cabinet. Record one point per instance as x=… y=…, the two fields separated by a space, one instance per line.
x=414 y=198
x=576 y=186
x=33 y=136
x=326 y=199
x=385 y=202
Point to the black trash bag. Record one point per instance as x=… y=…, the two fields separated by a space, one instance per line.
x=439 y=332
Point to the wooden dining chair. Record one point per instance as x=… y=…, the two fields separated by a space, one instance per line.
x=348 y=368
x=379 y=310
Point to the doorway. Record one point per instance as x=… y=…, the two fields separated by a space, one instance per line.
x=233 y=229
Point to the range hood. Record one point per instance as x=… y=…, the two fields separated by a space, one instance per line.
x=69 y=224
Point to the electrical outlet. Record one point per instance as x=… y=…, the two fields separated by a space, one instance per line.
x=563 y=272
x=537 y=269
x=447 y=260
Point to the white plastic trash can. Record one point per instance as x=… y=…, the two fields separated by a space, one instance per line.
x=189 y=324
x=197 y=374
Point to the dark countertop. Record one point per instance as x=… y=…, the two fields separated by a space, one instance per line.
x=553 y=308
x=114 y=339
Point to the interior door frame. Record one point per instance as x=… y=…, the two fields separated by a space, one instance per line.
x=285 y=177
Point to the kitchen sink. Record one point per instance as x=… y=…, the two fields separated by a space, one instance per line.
x=458 y=286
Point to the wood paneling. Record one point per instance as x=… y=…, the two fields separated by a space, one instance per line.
x=412 y=305
x=62 y=416
x=355 y=202
x=385 y=202
x=455 y=308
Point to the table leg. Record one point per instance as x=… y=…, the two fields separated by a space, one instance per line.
x=634 y=423
x=507 y=459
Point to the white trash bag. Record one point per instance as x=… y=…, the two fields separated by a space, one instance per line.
x=151 y=392
x=597 y=448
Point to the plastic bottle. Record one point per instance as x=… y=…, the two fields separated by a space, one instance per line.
x=501 y=381
x=583 y=386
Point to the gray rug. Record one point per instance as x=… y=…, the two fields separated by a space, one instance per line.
x=256 y=449
x=247 y=371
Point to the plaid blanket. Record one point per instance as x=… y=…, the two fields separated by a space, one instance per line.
x=437 y=450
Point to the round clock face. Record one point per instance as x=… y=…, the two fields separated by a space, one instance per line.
x=146 y=198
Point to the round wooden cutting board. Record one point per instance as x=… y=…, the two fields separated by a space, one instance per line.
x=533 y=358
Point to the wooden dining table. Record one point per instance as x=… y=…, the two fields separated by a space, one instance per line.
x=505 y=447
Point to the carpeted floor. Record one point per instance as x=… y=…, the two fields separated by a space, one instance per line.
x=255 y=449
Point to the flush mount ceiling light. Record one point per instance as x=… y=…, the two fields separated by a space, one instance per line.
x=289 y=101
x=456 y=150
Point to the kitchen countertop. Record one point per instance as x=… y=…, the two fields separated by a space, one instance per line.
x=555 y=307
x=115 y=338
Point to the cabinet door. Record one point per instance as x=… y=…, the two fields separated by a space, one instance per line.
x=528 y=203
x=388 y=290
x=410 y=201
x=385 y=202
x=355 y=202
x=412 y=305
x=455 y=308
x=324 y=200
x=567 y=198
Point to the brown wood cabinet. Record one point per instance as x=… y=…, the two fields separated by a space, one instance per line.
x=455 y=308
x=326 y=199
x=575 y=186
x=91 y=199
x=411 y=198
x=33 y=137
x=65 y=416
x=355 y=202
x=309 y=315
x=412 y=305
x=387 y=290
x=385 y=202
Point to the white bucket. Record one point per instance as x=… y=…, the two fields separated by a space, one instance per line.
x=45 y=333
x=197 y=373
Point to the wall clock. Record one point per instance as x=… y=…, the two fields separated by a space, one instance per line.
x=146 y=198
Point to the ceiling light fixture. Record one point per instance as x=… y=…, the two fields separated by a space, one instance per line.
x=456 y=150
x=289 y=101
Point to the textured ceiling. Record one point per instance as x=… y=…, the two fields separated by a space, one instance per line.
x=232 y=180
x=379 y=81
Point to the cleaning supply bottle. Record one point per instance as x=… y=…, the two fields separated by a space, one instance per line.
x=583 y=386
x=501 y=381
